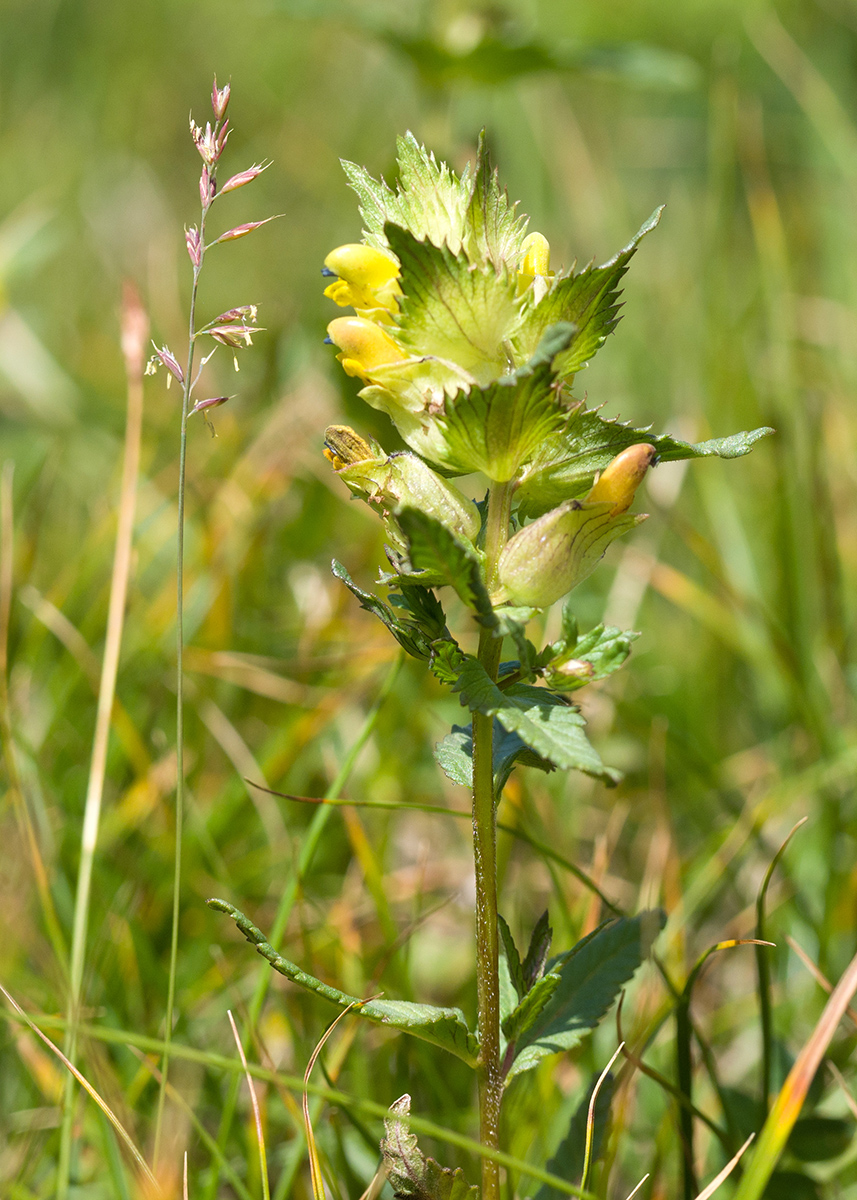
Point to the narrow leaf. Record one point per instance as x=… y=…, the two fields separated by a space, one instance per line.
x=592 y=974
x=443 y=1027
x=524 y=1016
x=408 y=636
x=537 y=952
x=513 y=958
x=446 y=561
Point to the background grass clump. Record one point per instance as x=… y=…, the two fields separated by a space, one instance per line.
x=734 y=719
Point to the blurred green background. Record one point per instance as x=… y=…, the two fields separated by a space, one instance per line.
x=735 y=716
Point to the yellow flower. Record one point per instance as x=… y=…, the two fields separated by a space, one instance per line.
x=363 y=345
x=367 y=280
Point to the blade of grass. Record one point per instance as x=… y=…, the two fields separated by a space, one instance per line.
x=257 y=1116
x=786 y=1108
x=135 y=329
x=309 y=845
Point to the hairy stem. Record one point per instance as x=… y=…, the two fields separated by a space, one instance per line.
x=490 y=1076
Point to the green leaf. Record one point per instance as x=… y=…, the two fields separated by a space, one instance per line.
x=429 y=200
x=589 y=300
x=412 y=1175
x=443 y=1027
x=445 y=560
x=791 y=1185
x=568 y=461
x=493 y=229
x=537 y=951
x=543 y=721
x=592 y=975
x=424 y=608
x=408 y=636
x=455 y=755
x=513 y=958
x=817 y=1139
x=498 y=428
x=524 y=1016
x=586 y=659
x=450 y=309
x=568 y=1161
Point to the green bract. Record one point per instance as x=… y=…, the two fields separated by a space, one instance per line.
x=468 y=340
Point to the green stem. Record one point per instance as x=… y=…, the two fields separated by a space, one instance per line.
x=177 y=865
x=490 y=1078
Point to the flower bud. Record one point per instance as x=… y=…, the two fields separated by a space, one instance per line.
x=620 y=479
x=555 y=553
x=165 y=358
x=213 y=402
x=363 y=344
x=207 y=187
x=400 y=481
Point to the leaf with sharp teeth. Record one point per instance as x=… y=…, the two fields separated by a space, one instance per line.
x=588 y=298
x=452 y=310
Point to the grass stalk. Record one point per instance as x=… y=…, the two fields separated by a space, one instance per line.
x=187 y=387
x=134 y=335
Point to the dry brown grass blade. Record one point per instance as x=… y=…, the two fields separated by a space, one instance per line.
x=257 y=1115
x=87 y=1086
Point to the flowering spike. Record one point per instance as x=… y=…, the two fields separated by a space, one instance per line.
x=244 y=177
x=166 y=358
x=194 y=245
x=207 y=187
x=234 y=336
x=214 y=402
x=242 y=230
x=219 y=100
x=245 y=312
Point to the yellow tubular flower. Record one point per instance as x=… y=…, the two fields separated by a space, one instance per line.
x=536 y=255
x=535 y=263
x=620 y=479
x=364 y=345
x=366 y=278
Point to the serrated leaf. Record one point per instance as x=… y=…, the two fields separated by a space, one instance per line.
x=450 y=309
x=412 y=1175
x=568 y=1160
x=446 y=660
x=499 y=428
x=568 y=461
x=443 y=1027
x=428 y=198
x=533 y=1002
x=537 y=952
x=588 y=299
x=432 y=548
x=543 y=721
x=493 y=230
x=602 y=650
x=423 y=606
x=408 y=636
x=592 y=975
x=513 y=959
x=454 y=755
